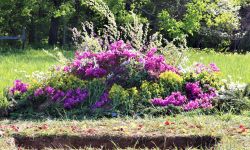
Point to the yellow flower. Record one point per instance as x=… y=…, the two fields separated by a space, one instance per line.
x=34 y=81
x=171 y=76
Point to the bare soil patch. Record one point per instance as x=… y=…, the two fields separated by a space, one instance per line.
x=111 y=142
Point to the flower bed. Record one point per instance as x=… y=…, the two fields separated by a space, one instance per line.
x=119 y=81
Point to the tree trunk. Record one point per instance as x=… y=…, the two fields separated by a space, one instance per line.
x=32 y=32
x=54 y=25
x=53 y=31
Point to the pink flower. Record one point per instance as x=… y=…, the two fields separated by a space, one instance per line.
x=191 y=105
x=214 y=68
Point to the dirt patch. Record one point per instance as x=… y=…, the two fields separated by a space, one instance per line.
x=111 y=142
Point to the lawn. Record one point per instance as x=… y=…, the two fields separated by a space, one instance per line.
x=19 y=64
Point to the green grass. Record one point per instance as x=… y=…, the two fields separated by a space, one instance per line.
x=235 y=65
x=18 y=64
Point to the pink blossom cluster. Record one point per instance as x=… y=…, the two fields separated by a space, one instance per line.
x=156 y=64
x=88 y=64
x=176 y=99
x=212 y=67
x=197 y=97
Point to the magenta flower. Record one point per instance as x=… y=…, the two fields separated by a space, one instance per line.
x=193 y=90
x=49 y=90
x=176 y=99
x=95 y=72
x=74 y=97
x=191 y=105
x=19 y=86
x=214 y=68
x=38 y=92
x=151 y=52
x=158 y=102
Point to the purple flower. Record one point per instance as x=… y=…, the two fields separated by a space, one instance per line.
x=19 y=86
x=176 y=99
x=74 y=97
x=104 y=99
x=57 y=95
x=38 y=92
x=191 y=105
x=159 y=102
x=95 y=72
x=156 y=64
x=95 y=65
x=199 y=68
x=193 y=90
x=49 y=90
x=66 y=69
x=117 y=45
x=151 y=52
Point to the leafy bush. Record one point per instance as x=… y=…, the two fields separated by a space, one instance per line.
x=124 y=100
x=170 y=82
x=233 y=100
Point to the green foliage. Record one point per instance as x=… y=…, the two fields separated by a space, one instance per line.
x=205 y=78
x=234 y=100
x=170 y=82
x=4 y=104
x=170 y=25
x=199 y=12
x=195 y=18
x=62 y=81
x=203 y=22
x=95 y=87
x=211 y=79
x=124 y=100
x=150 y=90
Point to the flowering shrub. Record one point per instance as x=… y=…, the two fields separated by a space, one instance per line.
x=88 y=65
x=120 y=81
